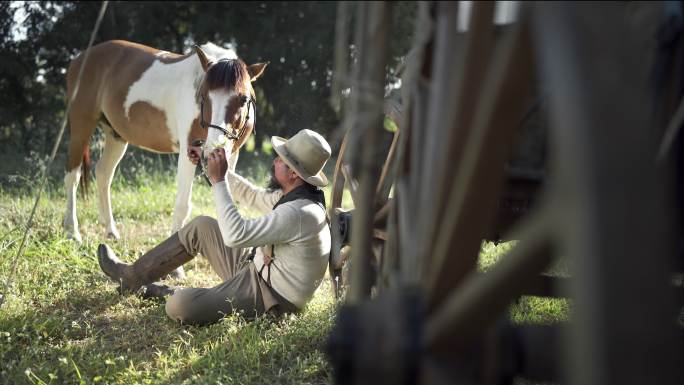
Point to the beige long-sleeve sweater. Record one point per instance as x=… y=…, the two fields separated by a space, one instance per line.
x=297 y=229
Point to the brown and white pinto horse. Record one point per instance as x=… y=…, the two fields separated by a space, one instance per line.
x=153 y=99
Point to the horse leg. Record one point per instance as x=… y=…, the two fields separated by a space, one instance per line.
x=70 y=222
x=181 y=211
x=81 y=128
x=114 y=150
x=184 y=179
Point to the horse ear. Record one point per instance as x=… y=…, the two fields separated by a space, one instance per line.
x=202 y=57
x=255 y=70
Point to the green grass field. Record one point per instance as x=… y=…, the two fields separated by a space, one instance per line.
x=64 y=323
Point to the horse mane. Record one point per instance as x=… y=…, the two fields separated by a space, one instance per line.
x=227 y=74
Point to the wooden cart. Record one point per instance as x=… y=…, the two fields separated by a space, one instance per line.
x=417 y=310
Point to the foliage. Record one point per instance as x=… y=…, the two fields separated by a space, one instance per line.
x=38 y=39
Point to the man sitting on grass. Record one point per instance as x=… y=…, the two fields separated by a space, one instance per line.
x=272 y=264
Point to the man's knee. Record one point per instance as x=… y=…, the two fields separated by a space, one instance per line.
x=173 y=307
x=186 y=307
x=203 y=223
x=179 y=307
x=196 y=230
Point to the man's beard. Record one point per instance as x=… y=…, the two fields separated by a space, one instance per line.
x=273 y=183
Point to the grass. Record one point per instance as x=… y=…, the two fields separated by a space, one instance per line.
x=537 y=310
x=63 y=321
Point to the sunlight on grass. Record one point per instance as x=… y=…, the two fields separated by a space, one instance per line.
x=64 y=322
x=528 y=309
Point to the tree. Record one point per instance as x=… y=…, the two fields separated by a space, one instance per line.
x=297 y=38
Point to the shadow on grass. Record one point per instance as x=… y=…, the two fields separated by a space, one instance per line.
x=266 y=350
x=94 y=335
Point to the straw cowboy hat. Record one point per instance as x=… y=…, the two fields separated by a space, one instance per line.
x=306 y=154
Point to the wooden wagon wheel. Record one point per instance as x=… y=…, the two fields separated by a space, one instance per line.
x=433 y=334
x=340 y=219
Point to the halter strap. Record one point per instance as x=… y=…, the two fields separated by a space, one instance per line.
x=229 y=135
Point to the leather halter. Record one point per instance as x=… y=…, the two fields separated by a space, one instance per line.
x=229 y=135
x=201 y=166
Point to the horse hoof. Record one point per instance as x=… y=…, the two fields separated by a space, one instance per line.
x=76 y=237
x=113 y=234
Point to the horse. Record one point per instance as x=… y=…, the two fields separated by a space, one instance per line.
x=156 y=100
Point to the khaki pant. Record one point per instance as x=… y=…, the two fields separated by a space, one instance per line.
x=242 y=288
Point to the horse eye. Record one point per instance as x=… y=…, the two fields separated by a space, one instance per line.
x=243 y=100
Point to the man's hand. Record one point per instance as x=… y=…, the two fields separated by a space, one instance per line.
x=194 y=154
x=217 y=165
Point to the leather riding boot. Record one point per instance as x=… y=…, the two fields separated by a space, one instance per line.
x=155 y=264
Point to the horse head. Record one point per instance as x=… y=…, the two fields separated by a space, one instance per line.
x=226 y=99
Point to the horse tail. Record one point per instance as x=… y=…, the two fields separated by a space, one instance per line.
x=85 y=171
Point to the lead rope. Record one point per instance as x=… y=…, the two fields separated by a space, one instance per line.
x=20 y=252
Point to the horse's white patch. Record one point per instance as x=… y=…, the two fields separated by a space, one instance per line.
x=214 y=52
x=170 y=88
x=215 y=138
x=219 y=102
x=252 y=115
